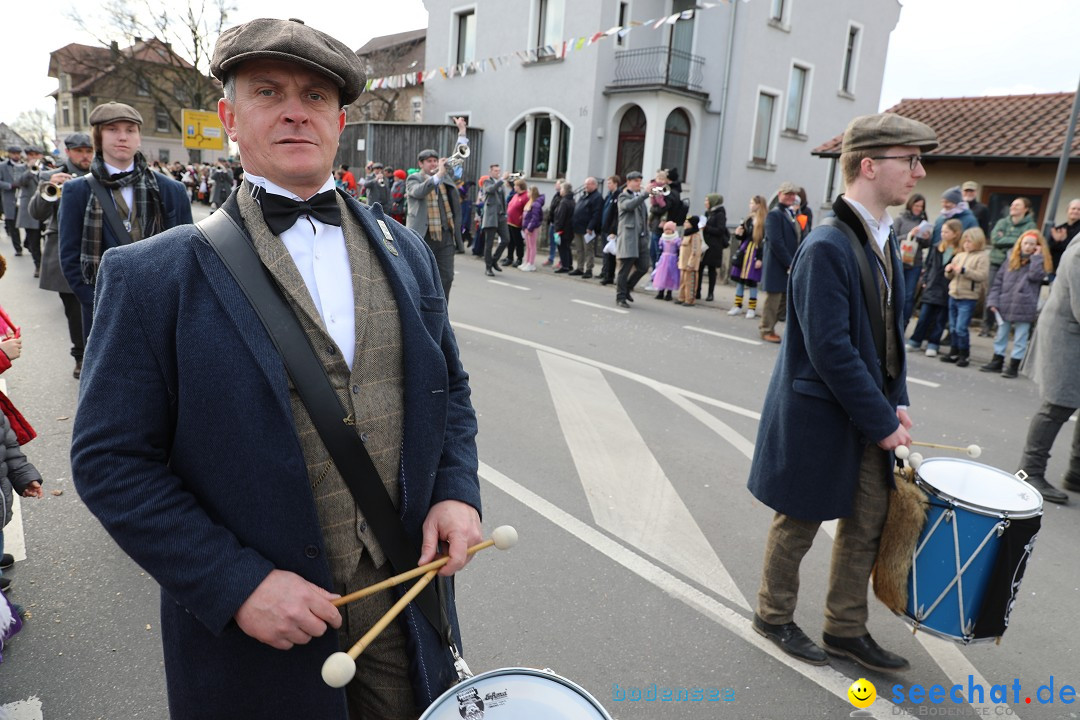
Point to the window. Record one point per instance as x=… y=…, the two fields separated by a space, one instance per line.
x=833 y=181
x=417 y=108
x=162 y=121
x=676 y=142
x=163 y=155
x=796 y=99
x=631 y=148
x=65 y=82
x=549 y=27
x=622 y=21
x=851 y=58
x=777 y=10
x=65 y=113
x=466 y=37
x=520 y=139
x=541 y=146
x=763 y=125
x=142 y=86
x=84 y=111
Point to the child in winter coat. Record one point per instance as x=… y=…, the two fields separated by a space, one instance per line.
x=689 y=260
x=1014 y=298
x=746 y=260
x=534 y=216
x=934 y=311
x=967 y=274
x=666 y=276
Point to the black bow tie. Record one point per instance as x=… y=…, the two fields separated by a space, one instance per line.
x=281 y=213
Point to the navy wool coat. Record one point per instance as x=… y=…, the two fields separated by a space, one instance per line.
x=185 y=448
x=826 y=401
x=781 y=242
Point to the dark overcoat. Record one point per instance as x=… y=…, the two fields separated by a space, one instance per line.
x=185 y=448
x=826 y=401
x=781 y=242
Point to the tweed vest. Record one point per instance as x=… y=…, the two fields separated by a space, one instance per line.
x=373 y=391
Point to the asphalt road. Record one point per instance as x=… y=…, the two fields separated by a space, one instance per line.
x=618 y=444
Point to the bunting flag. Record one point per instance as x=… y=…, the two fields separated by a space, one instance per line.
x=532 y=55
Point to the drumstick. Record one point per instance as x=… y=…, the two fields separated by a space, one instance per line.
x=972 y=451
x=503 y=537
x=340 y=667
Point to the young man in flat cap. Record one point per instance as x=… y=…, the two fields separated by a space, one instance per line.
x=11 y=169
x=80 y=152
x=197 y=454
x=782 y=234
x=119 y=202
x=841 y=372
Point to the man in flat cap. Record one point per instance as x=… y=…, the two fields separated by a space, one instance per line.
x=11 y=169
x=840 y=372
x=43 y=207
x=632 y=243
x=27 y=185
x=782 y=233
x=194 y=449
x=117 y=203
x=434 y=208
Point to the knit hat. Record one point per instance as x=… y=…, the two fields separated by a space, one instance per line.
x=953 y=195
x=694 y=221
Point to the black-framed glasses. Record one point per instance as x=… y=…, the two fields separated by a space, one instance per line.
x=913 y=160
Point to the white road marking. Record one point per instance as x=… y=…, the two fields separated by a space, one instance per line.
x=601 y=307
x=628 y=492
x=14 y=539
x=29 y=709
x=509 y=285
x=722 y=335
x=825 y=676
x=927 y=383
x=949 y=658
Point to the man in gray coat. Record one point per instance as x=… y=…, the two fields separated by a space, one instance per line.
x=493 y=219
x=27 y=185
x=10 y=171
x=439 y=224
x=1055 y=357
x=632 y=245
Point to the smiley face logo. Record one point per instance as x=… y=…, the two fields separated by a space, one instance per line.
x=862 y=693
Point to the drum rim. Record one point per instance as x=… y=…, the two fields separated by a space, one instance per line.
x=546 y=674
x=983 y=510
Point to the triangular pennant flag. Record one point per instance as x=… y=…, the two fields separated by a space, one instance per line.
x=686 y=15
x=442 y=71
x=672 y=19
x=624 y=32
x=595 y=37
x=581 y=42
x=611 y=31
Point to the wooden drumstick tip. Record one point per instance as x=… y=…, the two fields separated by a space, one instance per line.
x=974 y=451
x=338 y=670
x=902 y=452
x=504 y=537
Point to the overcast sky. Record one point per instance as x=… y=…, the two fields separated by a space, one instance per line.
x=940 y=48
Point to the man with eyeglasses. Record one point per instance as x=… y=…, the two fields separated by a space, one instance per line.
x=841 y=372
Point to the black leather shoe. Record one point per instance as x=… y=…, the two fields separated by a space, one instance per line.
x=6 y=561
x=864 y=651
x=623 y=304
x=496 y=267
x=489 y=272
x=1048 y=491
x=790 y=638
x=576 y=273
x=6 y=584
x=1071 y=483
x=586 y=276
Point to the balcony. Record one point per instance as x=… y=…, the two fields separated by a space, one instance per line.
x=658 y=67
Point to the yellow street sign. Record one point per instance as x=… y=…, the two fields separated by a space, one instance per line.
x=202 y=130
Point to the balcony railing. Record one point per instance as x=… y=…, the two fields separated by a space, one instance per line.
x=658 y=66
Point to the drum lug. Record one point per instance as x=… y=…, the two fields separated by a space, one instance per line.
x=949 y=515
x=460 y=666
x=1020 y=475
x=1001 y=527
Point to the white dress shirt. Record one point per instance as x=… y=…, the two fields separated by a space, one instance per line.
x=127 y=192
x=880 y=228
x=319 y=252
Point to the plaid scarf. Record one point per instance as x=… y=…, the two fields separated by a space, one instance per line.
x=435 y=219
x=148 y=211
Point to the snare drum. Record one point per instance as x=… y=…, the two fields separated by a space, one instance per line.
x=966 y=569
x=516 y=694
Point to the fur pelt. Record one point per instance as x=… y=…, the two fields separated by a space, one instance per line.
x=903 y=526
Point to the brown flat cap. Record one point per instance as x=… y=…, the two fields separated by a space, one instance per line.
x=787 y=187
x=290 y=41
x=887 y=130
x=113 y=112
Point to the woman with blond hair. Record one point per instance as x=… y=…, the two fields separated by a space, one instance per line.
x=1014 y=299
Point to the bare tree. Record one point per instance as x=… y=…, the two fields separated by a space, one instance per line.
x=382 y=104
x=165 y=50
x=37 y=127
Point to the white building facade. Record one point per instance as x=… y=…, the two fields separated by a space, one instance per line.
x=734 y=97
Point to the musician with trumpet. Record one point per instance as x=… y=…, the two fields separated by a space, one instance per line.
x=434 y=206
x=493 y=219
x=44 y=206
x=27 y=185
x=10 y=170
x=376 y=187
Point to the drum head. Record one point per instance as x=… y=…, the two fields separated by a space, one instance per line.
x=979 y=488
x=516 y=694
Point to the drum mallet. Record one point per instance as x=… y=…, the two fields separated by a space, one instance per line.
x=903 y=452
x=340 y=668
x=972 y=451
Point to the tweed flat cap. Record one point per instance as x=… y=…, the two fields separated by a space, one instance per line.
x=14 y=149
x=114 y=112
x=787 y=187
x=425 y=154
x=290 y=41
x=887 y=130
x=77 y=140
x=633 y=175
x=34 y=149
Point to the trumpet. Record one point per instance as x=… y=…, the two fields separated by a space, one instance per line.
x=660 y=190
x=514 y=177
x=51 y=193
x=461 y=153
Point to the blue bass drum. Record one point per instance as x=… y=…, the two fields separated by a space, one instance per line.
x=967 y=566
x=516 y=694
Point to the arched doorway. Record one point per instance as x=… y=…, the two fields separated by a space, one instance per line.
x=631 y=148
x=676 y=142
